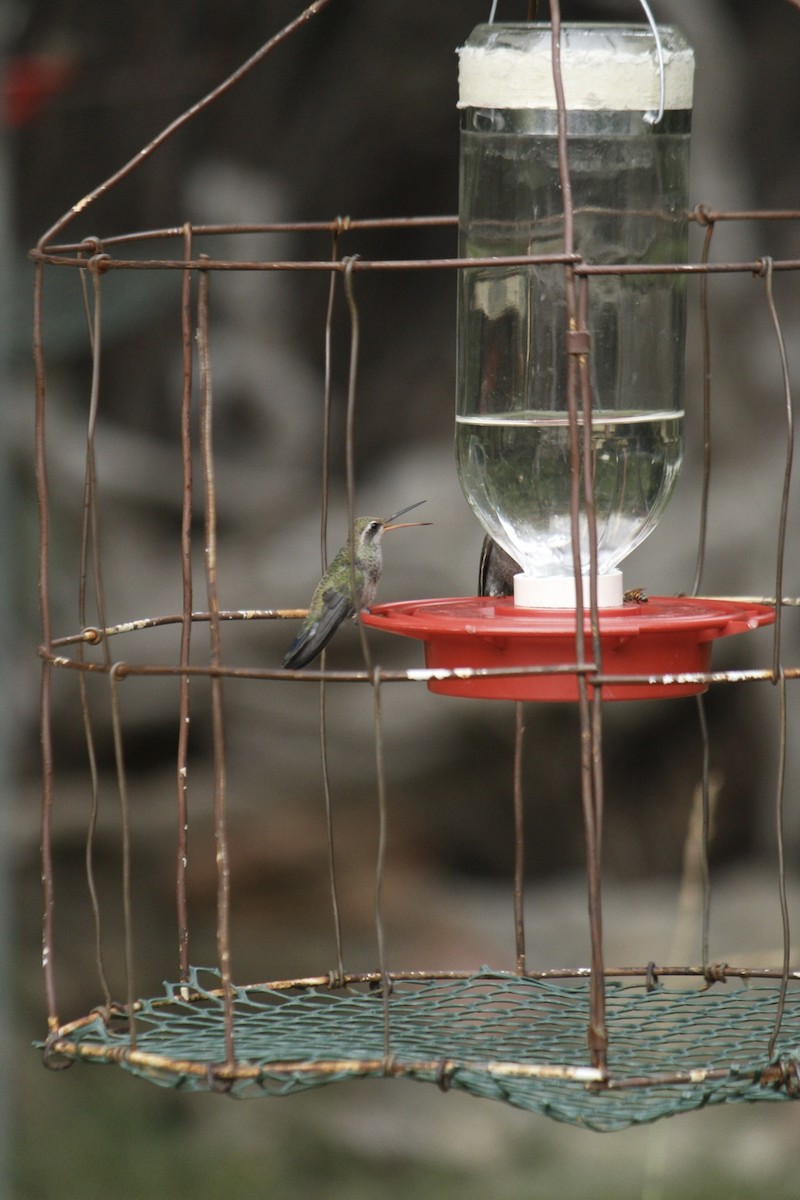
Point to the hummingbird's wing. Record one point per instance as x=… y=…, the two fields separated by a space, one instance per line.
x=315 y=634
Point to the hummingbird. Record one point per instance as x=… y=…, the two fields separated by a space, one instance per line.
x=496 y=570
x=333 y=600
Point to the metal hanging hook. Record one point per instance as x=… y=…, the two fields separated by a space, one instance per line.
x=650 y=117
x=655 y=118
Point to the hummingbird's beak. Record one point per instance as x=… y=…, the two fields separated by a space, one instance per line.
x=405 y=524
x=401 y=513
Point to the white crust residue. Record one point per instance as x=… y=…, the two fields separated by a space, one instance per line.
x=507 y=77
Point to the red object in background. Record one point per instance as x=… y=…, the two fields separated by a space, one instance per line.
x=29 y=83
x=666 y=636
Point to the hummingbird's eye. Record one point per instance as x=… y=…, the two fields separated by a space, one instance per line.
x=374 y=526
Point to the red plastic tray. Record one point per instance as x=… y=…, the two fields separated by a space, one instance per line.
x=666 y=637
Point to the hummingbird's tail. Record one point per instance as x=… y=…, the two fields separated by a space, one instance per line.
x=317 y=630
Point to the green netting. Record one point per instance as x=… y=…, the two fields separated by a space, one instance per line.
x=672 y=1047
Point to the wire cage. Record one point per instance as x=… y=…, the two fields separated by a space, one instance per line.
x=601 y=1046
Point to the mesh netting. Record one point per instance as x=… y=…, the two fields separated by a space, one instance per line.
x=673 y=1048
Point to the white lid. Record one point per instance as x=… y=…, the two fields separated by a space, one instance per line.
x=603 y=67
x=558 y=591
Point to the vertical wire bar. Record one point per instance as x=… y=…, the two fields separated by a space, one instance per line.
x=569 y=295
x=89 y=549
x=94 y=808
x=217 y=717
x=705 y=821
x=89 y=538
x=350 y=409
x=591 y=533
x=380 y=864
x=352 y=379
x=658 y=116
x=705 y=831
x=349 y=263
x=519 y=839
x=787 y=474
x=323 y=547
x=181 y=781
x=785 y=927
x=326 y=403
x=587 y=465
x=114 y=676
x=597 y=1032
x=592 y=767
x=705 y=795
x=45 y=693
x=777 y=671
x=705 y=327
x=326 y=789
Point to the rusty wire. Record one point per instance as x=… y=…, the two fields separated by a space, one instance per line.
x=519 y=838
x=778 y=675
x=597 y=679
x=93 y=255
x=577 y=347
x=217 y=707
x=452 y=263
x=182 y=755
x=88 y=546
x=323 y=554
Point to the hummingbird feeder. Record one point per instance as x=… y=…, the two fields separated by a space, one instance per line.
x=663 y=645
x=570 y=360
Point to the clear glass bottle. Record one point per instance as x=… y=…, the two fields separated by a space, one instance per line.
x=629 y=177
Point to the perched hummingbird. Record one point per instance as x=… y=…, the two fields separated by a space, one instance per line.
x=332 y=601
x=496 y=570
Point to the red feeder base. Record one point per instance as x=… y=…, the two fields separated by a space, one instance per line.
x=664 y=637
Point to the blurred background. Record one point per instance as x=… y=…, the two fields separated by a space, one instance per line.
x=355 y=115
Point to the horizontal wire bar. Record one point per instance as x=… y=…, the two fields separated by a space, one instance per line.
x=104 y=262
x=92 y=634
x=122 y=670
x=701 y=268
x=338 y=225
x=333 y=981
x=708 y=216
x=701 y=214
x=440 y=1067
x=650 y=972
x=352 y=1066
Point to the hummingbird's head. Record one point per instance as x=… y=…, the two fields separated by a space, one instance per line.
x=368 y=531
